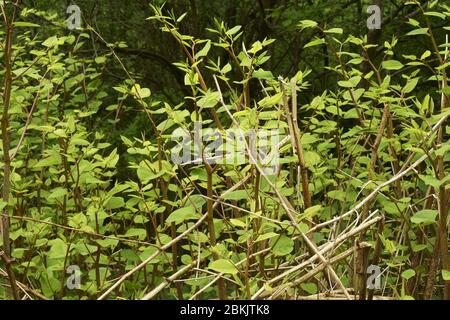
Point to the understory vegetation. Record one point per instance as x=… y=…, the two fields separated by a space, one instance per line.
x=351 y=201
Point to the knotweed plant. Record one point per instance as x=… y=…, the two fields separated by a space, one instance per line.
x=243 y=188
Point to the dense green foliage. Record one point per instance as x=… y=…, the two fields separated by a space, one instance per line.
x=89 y=118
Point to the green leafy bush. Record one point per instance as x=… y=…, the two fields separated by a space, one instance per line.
x=362 y=178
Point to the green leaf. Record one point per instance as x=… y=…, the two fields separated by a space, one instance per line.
x=233 y=30
x=417 y=32
x=443 y=150
x=350 y=83
x=389 y=245
x=307 y=24
x=430 y=181
x=48 y=162
x=262 y=74
x=223 y=266
x=419 y=247
x=335 y=30
x=303 y=227
x=100 y=60
x=256 y=47
x=140 y=93
x=115 y=203
x=312 y=211
x=107 y=243
x=121 y=89
x=181 y=215
x=50 y=42
x=25 y=24
x=337 y=195
x=310 y=287
x=446 y=90
x=238 y=223
x=351 y=114
x=424 y=217
x=435 y=14
x=78 y=220
x=145 y=175
x=49 y=284
x=271 y=101
x=209 y=100
x=196 y=200
x=266 y=236
x=180 y=18
x=204 y=51
x=3 y=204
x=227 y=68
x=311 y=159
x=392 y=65
x=446 y=275
x=237 y=195
x=315 y=42
x=136 y=232
x=410 y=85
x=58 y=249
x=147 y=252
x=408 y=274
x=444 y=66
x=425 y=55
x=57 y=193
x=308 y=138
x=283 y=246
